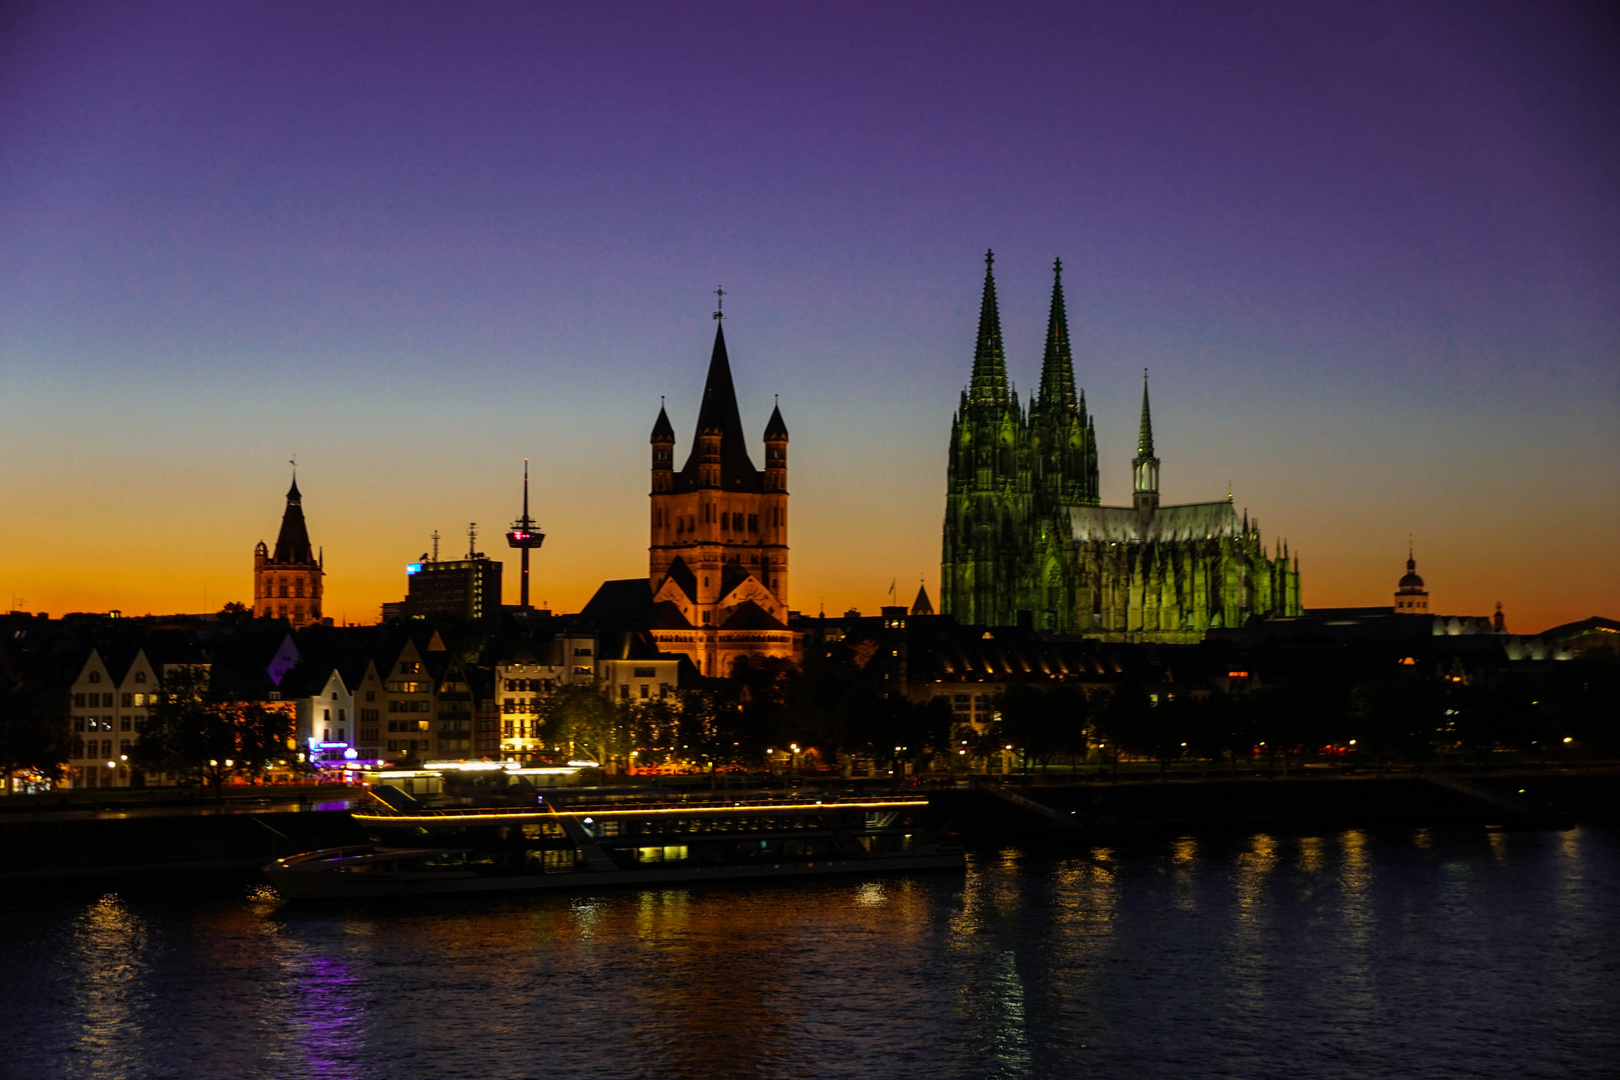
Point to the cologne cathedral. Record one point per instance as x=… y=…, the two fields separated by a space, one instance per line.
x=1026 y=538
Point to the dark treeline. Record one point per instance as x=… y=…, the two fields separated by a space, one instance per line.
x=1372 y=706
x=837 y=707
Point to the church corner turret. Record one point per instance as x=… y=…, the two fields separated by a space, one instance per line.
x=776 y=449
x=663 y=451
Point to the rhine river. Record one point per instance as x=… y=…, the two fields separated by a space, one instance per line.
x=1348 y=954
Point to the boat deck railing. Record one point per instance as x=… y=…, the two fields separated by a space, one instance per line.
x=662 y=805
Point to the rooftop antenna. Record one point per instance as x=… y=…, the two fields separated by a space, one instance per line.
x=472 y=539
x=719 y=303
x=435 y=539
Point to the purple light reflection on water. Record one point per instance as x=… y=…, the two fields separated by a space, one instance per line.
x=331 y=1035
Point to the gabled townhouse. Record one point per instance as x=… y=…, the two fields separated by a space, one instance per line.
x=418 y=694
x=325 y=715
x=108 y=707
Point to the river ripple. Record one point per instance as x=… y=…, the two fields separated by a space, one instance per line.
x=1345 y=955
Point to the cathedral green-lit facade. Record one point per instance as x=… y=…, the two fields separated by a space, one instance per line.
x=1024 y=531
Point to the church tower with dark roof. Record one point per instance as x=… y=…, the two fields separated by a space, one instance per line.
x=718 y=554
x=287 y=582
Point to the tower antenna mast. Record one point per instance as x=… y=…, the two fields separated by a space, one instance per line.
x=525 y=535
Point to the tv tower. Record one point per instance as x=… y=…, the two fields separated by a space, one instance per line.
x=523 y=536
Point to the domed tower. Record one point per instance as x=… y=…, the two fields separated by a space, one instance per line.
x=1411 y=598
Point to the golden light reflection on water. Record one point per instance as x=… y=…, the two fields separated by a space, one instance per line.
x=1310 y=854
x=872 y=894
x=1184 y=866
x=1421 y=838
x=1251 y=936
x=708 y=998
x=111 y=946
x=1499 y=846
x=1283 y=949
x=1572 y=892
x=1357 y=921
x=1253 y=867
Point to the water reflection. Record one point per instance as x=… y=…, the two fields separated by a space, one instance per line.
x=1310 y=854
x=328 y=1013
x=1347 y=954
x=110 y=952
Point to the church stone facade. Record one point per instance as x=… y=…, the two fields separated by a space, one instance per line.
x=288 y=582
x=1026 y=539
x=718 y=557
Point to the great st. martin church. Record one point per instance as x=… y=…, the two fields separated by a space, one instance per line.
x=1024 y=531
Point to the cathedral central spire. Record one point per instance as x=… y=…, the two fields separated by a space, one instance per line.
x=1144 y=436
x=1145 y=467
x=989 y=358
x=1057 y=367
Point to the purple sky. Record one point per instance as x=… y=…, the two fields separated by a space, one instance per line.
x=1371 y=253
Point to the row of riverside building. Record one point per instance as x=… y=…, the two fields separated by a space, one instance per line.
x=1039 y=583
x=416 y=691
x=361 y=697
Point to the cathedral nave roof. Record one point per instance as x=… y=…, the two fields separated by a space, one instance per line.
x=1122 y=524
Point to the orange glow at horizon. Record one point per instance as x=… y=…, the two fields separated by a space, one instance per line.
x=202 y=554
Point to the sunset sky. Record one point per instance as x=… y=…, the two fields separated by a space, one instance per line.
x=1370 y=253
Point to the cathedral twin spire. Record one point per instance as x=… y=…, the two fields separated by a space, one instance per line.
x=1057 y=366
x=990 y=384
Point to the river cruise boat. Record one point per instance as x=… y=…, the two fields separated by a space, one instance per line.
x=582 y=840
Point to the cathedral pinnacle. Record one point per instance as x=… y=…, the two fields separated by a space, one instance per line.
x=989 y=358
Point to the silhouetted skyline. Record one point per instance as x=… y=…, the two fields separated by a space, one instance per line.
x=1370 y=253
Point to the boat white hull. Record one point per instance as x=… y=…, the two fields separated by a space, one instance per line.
x=300 y=880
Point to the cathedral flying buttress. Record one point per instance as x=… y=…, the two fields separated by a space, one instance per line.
x=1026 y=541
